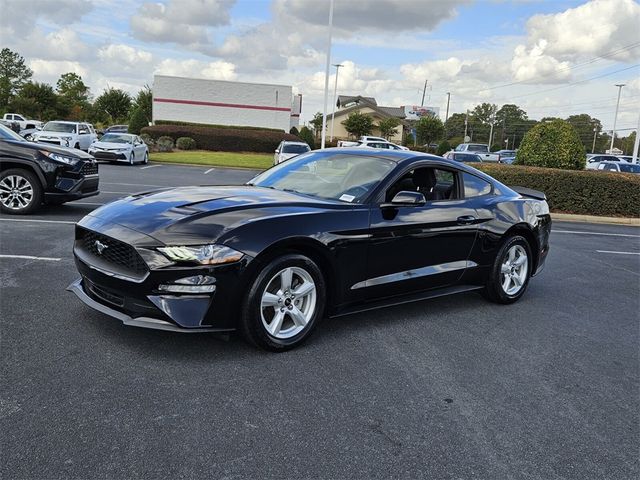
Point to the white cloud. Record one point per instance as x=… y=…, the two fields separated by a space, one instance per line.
x=218 y=70
x=184 y=22
x=378 y=15
x=595 y=28
x=19 y=17
x=50 y=70
x=535 y=66
x=119 y=58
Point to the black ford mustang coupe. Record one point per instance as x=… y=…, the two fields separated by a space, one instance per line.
x=324 y=234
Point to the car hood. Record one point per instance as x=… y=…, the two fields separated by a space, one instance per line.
x=110 y=146
x=43 y=133
x=204 y=214
x=69 y=152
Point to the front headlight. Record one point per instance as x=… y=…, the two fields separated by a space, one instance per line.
x=60 y=158
x=202 y=254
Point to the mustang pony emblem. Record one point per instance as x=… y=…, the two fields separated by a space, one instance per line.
x=100 y=246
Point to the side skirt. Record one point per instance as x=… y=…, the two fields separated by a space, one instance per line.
x=402 y=299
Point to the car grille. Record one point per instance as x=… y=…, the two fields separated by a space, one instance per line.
x=89 y=168
x=104 y=294
x=121 y=257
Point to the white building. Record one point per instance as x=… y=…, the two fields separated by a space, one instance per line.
x=218 y=102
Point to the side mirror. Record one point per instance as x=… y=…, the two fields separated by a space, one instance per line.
x=277 y=151
x=406 y=198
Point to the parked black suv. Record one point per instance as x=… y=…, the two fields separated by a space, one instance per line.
x=33 y=173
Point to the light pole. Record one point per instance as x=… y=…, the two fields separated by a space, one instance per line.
x=446 y=117
x=326 y=79
x=335 y=91
x=615 y=118
x=595 y=134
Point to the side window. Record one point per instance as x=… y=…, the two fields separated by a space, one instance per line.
x=433 y=183
x=475 y=186
x=611 y=168
x=460 y=148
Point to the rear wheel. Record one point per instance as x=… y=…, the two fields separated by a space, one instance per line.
x=146 y=158
x=285 y=302
x=511 y=271
x=20 y=192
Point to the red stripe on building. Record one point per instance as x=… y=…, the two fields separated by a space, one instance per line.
x=216 y=104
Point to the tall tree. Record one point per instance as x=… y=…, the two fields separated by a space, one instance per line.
x=454 y=126
x=429 y=129
x=115 y=103
x=358 y=124
x=389 y=127
x=73 y=97
x=480 y=121
x=587 y=127
x=144 y=101
x=14 y=73
x=71 y=86
x=316 y=123
x=513 y=123
x=36 y=100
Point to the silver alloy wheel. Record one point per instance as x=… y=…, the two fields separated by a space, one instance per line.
x=288 y=302
x=132 y=159
x=16 y=192
x=514 y=270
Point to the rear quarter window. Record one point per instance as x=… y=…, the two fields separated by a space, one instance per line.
x=475 y=186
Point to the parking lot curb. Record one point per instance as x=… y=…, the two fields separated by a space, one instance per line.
x=567 y=217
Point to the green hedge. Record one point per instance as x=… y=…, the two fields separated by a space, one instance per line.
x=585 y=192
x=223 y=139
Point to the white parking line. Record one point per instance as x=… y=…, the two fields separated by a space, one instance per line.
x=619 y=253
x=596 y=233
x=150 y=166
x=29 y=257
x=210 y=170
x=36 y=220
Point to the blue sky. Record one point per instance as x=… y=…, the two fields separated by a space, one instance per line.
x=389 y=47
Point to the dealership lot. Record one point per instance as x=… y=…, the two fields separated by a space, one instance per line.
x=448 y=388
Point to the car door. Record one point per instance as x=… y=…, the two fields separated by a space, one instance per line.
x=139 y=147
x=418 y=247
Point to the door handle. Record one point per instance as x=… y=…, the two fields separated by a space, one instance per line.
x=466 y=219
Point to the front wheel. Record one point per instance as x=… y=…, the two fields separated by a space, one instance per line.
x=20 y=192
x=146 y=158
x=511 y=271
x=285 y=302
x=132 y=159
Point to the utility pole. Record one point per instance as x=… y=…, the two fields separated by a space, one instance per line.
x=615 y=118
x=595 y=134
x=466 y=121
x=335 y=91
x=326 y=79
x=446 y=117
x=424 y=91
x=493 y=120
x=636 y=144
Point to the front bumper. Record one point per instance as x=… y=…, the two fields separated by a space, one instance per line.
x=109 y=156
x=140 y=321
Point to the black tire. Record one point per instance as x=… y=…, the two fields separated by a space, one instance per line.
x=252 y=320
x=132 y=159
x=77 y=146
x=494 y=289
x=146 y=158
x=35 y=199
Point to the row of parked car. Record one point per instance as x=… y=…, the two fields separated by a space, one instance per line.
x=113 y=144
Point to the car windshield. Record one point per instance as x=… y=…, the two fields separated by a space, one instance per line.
x=295 y=148
x=116 y=138
x=629 y=168
x=337 y=176
x=8 y=134
x=474 y=147
x=59 y=127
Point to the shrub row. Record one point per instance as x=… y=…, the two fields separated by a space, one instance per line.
x=223 y=139
x=582 y=192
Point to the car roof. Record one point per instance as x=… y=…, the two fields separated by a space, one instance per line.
x=120 y=134
x=291 y=142
x=65 y=121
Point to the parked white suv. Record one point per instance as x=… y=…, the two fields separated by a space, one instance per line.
x=287 y=150
x=66 y=134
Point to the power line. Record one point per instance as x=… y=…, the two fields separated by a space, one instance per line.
x=571 y=67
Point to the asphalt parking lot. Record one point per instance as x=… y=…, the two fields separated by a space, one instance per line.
x=448 y=388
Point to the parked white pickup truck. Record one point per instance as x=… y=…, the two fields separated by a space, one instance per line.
x=22 y=121
x=479 y=149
